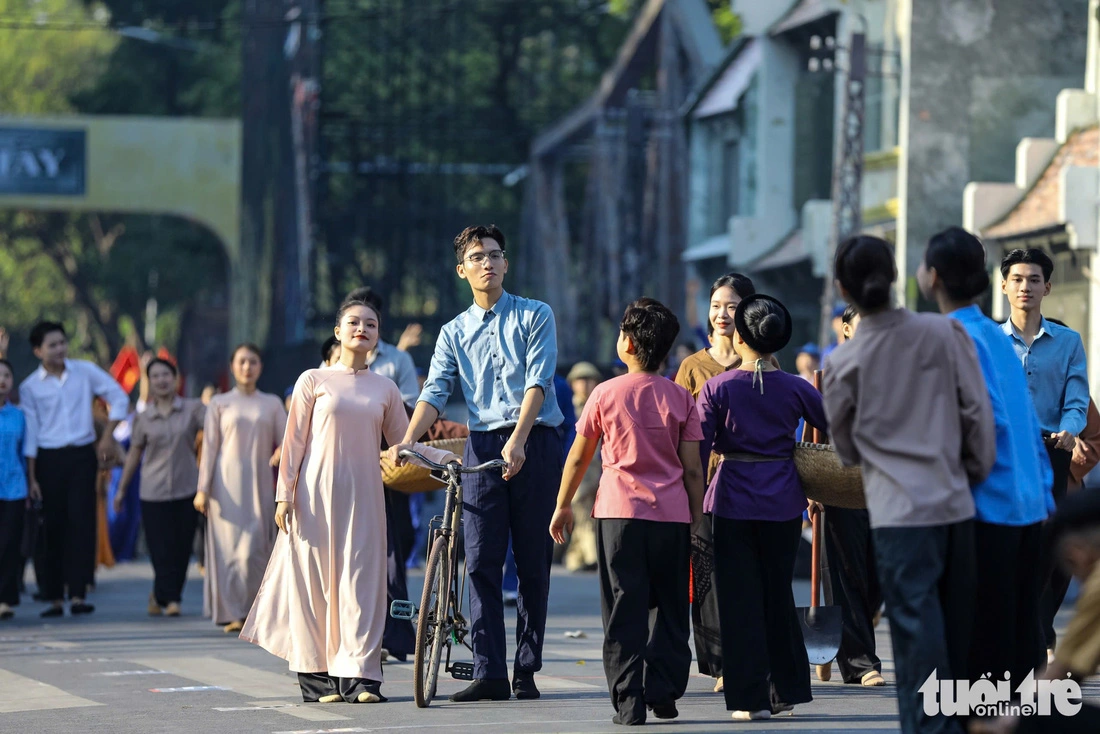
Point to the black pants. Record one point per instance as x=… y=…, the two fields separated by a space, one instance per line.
x=927 y=578
x=761 y=636
x=1008 y=637
x=66 y=552
x=11 y=555
x=493 y=508
x=856 y=589
x=399 y=637
x=316 y=685
x=1054 y=581
x=644 y=599
x=169 y=532
x=704 y=603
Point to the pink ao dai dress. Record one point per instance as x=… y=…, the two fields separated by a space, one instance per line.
x=240 y=435
x=322 y=605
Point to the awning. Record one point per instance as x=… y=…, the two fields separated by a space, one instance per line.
x=726 y=91
x=788 y=251
x=804 y=12
x=714 y=247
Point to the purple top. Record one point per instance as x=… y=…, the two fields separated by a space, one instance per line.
x=736 y=418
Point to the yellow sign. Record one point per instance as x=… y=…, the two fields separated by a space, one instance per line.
x=190 y=168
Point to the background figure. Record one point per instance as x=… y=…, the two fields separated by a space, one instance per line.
x=850 y=550
x=58 y=397
x=236 y=489
x=17 y=489
x=581 y=552
x=808 y=361
x=124 y=521
x=163 y=444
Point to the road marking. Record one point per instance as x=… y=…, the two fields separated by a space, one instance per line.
x=18 y=693
x=550 y=683
x=187 y=689
x=73 y=661
x=257 y=707
x=132 y=672
x=309 y=713
x=213 y=671
x=449 y=725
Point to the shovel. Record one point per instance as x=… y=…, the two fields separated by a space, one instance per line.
x=821 y=626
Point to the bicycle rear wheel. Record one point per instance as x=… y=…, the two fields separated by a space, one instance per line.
x=432 y=628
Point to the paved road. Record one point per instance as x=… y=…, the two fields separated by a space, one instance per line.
x=119 y=670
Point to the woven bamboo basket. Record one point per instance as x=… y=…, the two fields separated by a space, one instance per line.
x=412 y=479
x=825 y=480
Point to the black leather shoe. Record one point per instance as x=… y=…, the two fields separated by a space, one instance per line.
x=523 y=685
x=484 y=690
x=81 y=608
x=53 y=612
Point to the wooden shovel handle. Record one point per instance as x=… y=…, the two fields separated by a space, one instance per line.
x=815 y=544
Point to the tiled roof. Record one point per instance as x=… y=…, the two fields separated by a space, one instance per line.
x=1039 y=207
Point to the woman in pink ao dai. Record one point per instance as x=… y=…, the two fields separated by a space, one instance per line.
x=322 y=604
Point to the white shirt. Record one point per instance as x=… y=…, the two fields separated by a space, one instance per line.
x=62 y=407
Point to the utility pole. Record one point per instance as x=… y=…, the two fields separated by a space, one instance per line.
x=847 y=171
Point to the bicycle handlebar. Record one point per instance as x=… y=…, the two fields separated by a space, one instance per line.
x=493 y=464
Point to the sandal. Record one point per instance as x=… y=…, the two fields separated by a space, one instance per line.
x=873 y=678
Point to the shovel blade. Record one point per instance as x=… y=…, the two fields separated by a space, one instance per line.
x=821 y=630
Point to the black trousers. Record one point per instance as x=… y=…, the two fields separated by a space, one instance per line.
x=1054 y=581
x=1009 y=636
x=927 y=578
x=11 y=555
x=856 y=589
x=399 y=637
x=762 y=645
x=1085 y=721
x=493 y=508
x=66 y=552
x=169 y=533
x=316 y=685
x=644 y=600
x=704 y=603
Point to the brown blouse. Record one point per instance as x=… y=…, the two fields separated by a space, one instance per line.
x=698 y=368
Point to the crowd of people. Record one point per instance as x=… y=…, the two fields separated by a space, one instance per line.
x=678 y=488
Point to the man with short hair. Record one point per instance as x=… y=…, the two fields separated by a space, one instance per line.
x=501 y=352
x=1054 y=360
x=58 y=395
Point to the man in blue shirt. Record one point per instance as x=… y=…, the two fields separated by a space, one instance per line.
x=1054 y=360
x=501 y=352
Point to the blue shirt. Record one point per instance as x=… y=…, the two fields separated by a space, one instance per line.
x=497 y=356
x=1017 y=490
x=16 y=443
x=1056 y=376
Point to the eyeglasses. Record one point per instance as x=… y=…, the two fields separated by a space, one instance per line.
x=479 y=258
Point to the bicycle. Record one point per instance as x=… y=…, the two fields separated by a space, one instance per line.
x=439 y=620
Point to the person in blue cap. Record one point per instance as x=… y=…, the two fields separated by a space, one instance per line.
x=808 y=361
x=838 y=330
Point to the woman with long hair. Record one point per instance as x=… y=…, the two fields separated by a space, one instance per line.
x=322 y=606
x=241 y=437
x=694 y=371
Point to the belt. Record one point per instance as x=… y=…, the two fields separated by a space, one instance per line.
x=752 y=458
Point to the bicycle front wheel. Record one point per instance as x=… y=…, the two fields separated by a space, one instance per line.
x=433 y=628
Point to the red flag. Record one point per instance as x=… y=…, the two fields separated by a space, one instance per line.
x=126 y=368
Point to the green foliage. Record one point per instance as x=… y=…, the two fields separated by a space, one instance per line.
x=40 y=70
